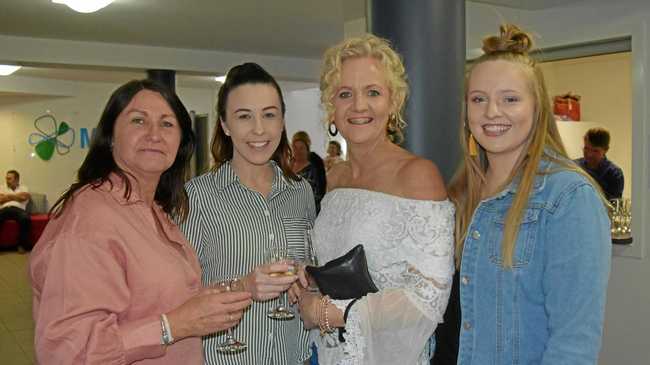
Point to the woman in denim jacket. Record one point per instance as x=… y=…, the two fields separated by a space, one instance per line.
x=532 y=230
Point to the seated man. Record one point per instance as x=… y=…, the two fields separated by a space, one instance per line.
x=13 y=205
x=606 y=173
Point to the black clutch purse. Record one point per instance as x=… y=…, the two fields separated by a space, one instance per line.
x=345 y=277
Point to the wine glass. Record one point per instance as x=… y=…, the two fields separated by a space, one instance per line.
x=231 y=345
x=280 y=255
x=310 y=255
x=310 y=258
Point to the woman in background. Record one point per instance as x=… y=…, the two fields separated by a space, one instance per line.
x=308 y=165
x=532 y=233
x=334 y=153
x=250 y=202
x=114 y=280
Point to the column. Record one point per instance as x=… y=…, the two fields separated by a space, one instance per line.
x=430 y=36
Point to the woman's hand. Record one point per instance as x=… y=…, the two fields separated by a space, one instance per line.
x=208 y=312
x=304 y=282
x=263 y=286
x=309 y=308
x=295 y=292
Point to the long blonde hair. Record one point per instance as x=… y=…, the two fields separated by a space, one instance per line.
x=544 y=142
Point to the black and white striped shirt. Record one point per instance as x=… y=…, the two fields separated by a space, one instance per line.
x=230 y=226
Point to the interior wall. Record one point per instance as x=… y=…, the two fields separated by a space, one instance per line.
x=80 y=109
x=80 y=105
x=304 y=113
x=605 y=86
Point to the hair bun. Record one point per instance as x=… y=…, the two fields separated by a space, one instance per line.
x=512 y=39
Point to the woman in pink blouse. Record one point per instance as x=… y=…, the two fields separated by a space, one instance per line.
x=114 y=281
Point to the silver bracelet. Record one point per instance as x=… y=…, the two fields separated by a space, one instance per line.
x=166 y=338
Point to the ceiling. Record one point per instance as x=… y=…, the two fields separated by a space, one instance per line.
x=298 y=28
x=114 y=76
x=284 y=28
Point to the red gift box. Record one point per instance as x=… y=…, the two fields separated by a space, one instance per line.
x=567 y=107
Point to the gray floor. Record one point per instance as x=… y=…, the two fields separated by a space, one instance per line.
x=16 y=324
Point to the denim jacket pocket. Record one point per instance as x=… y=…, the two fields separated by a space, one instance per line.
x=525 y=245
x=294 y=232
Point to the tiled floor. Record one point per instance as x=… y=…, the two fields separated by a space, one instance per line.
x=16 y=324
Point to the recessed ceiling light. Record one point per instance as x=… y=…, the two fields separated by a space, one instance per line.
x=84 y=6
x=220 y=79
x=6 y=70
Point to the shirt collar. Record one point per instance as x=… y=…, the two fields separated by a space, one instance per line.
x=225 y=176
x=603 y=164
x=116 y=187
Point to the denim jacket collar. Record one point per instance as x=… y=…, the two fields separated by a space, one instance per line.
x=545 y=166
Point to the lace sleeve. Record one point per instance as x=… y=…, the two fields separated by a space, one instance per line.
x=394 y=325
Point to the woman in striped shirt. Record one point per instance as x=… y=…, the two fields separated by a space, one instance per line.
x=249 y=202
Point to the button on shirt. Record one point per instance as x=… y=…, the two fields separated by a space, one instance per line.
x=231 y=227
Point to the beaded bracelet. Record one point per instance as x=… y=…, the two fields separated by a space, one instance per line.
x=323 y=317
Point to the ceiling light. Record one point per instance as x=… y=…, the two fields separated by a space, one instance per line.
x=84 y=6
x=220 y=79
x=6 y=70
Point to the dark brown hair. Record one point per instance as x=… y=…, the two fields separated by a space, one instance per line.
x=598 y=137
x=99 y=162
x=222 y=148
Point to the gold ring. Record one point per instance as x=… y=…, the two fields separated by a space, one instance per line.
x=231 y=317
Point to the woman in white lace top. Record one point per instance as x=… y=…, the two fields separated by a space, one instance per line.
x=389 y=200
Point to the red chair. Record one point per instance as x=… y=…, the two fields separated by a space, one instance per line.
x=9 y=228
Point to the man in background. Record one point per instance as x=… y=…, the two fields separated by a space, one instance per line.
x=595 y=162
x=13 y=205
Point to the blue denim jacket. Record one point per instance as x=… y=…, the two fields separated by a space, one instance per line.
x=549 y=308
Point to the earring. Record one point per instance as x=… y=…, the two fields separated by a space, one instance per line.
x=472 y=146
x=334 y=132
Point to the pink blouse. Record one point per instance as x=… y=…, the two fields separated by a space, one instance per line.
x=102 y=274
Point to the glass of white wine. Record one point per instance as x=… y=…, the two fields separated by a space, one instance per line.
x=230 y=345
x=280 y=255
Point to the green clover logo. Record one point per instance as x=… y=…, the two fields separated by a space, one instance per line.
x=53 y=140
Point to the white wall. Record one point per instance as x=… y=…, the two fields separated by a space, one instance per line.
x=80 y=105
x=304 y=113
x=627 y=324
x=604 y=84
x=81 y=108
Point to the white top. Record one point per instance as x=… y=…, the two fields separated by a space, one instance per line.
x=4 y=189
x=410 y=251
